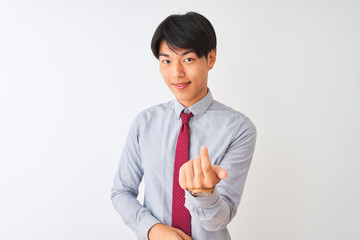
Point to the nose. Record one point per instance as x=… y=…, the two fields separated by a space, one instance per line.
x=178 y=70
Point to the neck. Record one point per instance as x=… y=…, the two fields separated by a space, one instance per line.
x=198 y=97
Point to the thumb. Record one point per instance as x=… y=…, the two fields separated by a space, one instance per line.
x=183 y=235
x=220 y=172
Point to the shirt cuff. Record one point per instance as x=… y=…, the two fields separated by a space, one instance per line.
x=145 y=224
x=198 y=203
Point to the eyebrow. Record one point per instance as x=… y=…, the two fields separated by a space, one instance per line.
x=182 y=54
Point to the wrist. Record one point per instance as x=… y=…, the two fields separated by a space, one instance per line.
x=192 y=203
x=153 y=229
x=201 y=192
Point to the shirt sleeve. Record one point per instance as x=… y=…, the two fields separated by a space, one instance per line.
x=125 y=188
x=214 y=212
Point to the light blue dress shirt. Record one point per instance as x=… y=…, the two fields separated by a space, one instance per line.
x=149 y=153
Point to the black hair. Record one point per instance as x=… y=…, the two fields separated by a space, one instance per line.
x=188 y=31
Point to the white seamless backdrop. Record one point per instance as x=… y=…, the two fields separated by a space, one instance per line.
x=73 y=75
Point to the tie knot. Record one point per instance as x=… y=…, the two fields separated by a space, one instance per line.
x=185 y=117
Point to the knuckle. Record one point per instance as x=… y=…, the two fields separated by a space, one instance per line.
x=214 y=182
x=198 y=174
x=208 y=170
x=183 y=185
x=207 y=184
x=211 y=182
x=198 y=184
x=188 y=165
x=189 y=183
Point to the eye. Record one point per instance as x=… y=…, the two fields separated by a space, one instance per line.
x=188 y=59
x=165 y=61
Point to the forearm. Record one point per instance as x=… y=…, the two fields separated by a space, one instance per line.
x=125 y=188
x=137 y=217
x=213 y=212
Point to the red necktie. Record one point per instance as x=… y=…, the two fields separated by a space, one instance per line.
x=180 y=214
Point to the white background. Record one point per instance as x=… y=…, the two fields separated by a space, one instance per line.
x=73 y=75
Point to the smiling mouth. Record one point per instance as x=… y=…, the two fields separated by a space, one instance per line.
x=181 y=85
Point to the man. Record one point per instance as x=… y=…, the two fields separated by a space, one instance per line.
x=193 y=152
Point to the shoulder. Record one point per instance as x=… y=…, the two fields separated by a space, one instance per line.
x=153 y=113
x=230 y=116
x=227 y=112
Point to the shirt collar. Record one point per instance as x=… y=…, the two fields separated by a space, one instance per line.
x=197 y=109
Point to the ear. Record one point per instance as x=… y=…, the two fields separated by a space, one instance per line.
x=211 y=58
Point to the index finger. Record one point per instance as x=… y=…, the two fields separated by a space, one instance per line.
x=205 y=160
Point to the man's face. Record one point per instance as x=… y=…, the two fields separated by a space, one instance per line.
x=185 y=73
